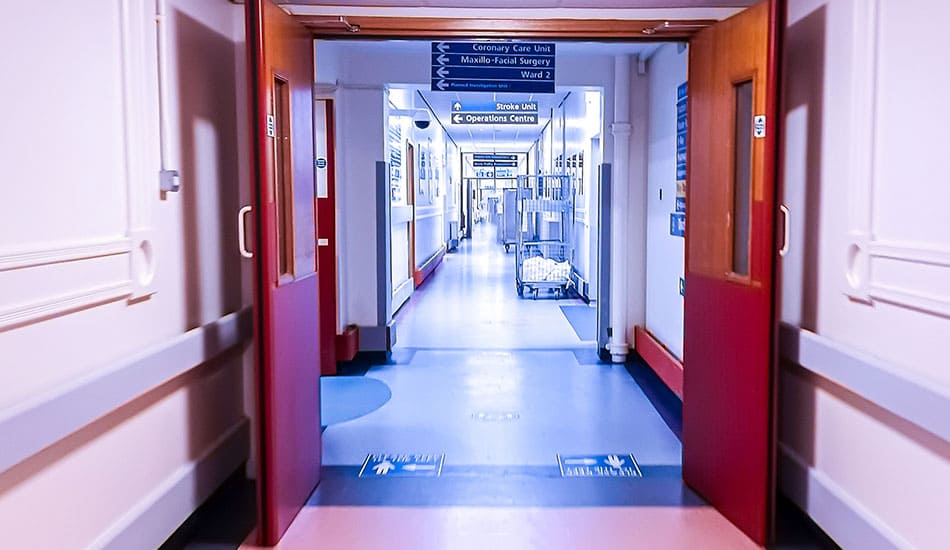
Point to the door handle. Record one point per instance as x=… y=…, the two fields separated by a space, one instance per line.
x=786 y=229
x=242 y=232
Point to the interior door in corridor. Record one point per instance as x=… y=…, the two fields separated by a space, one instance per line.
x=729 y=367
x=280 y=55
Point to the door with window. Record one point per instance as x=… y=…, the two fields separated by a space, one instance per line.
x=286 y=332
x=729 y=354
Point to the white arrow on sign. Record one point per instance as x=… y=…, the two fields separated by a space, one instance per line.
x=442 y=47
x=384 y=468
x=442 y=59
x=442 y=72
x=457 y=106
x=457 y=118
x=615 y=462
x=414 y=467
x=584 y=461
x=442 y=85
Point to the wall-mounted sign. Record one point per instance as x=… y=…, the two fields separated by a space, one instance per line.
x=271 y=126
x=516 y=67
x=678 y=217
x=758 y=126
x=678 y=224
x=320 y=163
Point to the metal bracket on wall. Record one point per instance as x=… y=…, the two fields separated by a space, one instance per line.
x=169 y=181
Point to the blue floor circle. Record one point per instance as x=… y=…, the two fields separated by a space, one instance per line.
x=345 y=398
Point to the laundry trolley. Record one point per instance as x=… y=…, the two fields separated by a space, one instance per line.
x=544 y=255
x=509 y=223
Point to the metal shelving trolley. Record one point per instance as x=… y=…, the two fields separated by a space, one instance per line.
x=508 y=221
x=544 y=254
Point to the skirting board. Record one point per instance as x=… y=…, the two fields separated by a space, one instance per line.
x=402 y=293
x=663 y=363
x=428 y=267
x=161 y=512
x=836 y=512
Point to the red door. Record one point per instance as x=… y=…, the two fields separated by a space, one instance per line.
x=729 y=366
x=325 y=166
x=280 y=55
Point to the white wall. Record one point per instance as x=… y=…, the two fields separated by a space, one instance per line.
x=96 y=266
x=665 y=252
x=360 y=143
x=864 y=135
x=430 y=190
x=584 y=120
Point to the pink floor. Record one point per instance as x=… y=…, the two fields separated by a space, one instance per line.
x=460 y=528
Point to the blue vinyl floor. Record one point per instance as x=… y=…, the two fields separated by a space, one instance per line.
x=490 y=379
x=583 y=319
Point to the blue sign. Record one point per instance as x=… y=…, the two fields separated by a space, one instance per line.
x=493 y=156
x=682 y=286
x=678 y=217
x=495 y=107
x=494 y=118
x=678 y=224
x=320 y=163
x=486 y=66
x=402 y=465
x=489 y=163
x=681 y=143
x=616 y=465
x=498 y=47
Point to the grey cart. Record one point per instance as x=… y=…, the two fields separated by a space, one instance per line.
x=544 y=255
x=509 y=221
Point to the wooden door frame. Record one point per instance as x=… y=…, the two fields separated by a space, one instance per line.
x=382 y=28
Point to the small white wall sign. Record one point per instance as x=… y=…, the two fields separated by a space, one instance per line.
x=758 y=126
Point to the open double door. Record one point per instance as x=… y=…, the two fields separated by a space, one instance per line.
x=728 y=434
x=286 y=299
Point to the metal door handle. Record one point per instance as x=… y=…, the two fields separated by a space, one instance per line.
x=242 y=242
x=786 y=229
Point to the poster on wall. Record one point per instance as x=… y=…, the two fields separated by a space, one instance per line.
x=395 y=161
x=678 y=216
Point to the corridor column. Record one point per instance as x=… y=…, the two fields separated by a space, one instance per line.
x=618 y=227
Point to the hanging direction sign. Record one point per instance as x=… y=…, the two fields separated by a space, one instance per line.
x=516 y=67
x=494 y=118
x=495 y=107
x=494 y=156
x=489 y=163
